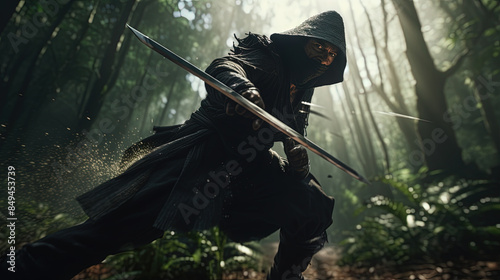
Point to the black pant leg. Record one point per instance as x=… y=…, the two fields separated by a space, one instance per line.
x=65 y=253
x=299 y=208
x=269 y=200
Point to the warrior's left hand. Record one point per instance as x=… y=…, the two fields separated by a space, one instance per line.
x=298 y=161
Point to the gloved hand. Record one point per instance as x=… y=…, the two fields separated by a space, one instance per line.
x=253 y=95
x=298 y=161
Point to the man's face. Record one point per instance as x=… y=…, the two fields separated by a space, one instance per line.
x=321 y=51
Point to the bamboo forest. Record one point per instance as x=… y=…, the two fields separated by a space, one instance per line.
x=417 y=115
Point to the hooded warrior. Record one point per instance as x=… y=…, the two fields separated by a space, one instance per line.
x=217 y=168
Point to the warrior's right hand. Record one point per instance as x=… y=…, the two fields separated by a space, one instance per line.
x=298 y=161
x=253 y=95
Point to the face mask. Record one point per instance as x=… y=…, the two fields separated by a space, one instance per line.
x=303 y=70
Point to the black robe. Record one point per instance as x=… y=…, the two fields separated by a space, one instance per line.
x=183 y=159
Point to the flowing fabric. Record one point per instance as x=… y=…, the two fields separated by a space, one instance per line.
x=205 y=143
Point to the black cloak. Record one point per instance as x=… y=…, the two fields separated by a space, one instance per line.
x=183 y=158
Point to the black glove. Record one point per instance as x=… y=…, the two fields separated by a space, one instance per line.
x=253 y=95
x=298 y=161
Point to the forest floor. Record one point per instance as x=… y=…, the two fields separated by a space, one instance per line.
x=324 y=267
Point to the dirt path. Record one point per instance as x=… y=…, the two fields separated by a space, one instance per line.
x=324 y=267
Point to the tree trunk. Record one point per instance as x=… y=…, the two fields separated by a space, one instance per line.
x=340 y=141
x=164 y=113
x=39 y=102
x=366 y=135
x=483 y=92
x=70 y=59
x=149 y=97
x=406 y=127
x=372 y=119
x=100 y=87
x=355 y=133
x=9 y=7
x=125 y=46
x=20 y=93
x=438 y=144
x=21 y=109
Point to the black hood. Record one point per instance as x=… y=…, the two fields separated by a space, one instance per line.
x=327 y=26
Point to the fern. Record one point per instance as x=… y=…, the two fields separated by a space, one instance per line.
x=193 y=255
x=449 y=219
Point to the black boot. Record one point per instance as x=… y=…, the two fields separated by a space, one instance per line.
x=293 y=258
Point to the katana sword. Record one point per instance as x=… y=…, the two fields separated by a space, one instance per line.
x=236 y=97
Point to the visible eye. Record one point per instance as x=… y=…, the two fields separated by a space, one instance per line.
x=318 y=46
x=332 y=54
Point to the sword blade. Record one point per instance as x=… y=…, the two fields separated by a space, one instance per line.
x=236 y=97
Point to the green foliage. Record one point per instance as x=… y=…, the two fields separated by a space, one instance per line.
x=194 y=255
x=35 y=221
x=56 y=74
x=451 y=219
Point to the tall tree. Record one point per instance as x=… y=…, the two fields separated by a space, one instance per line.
x=106 y=70
x=439 y=146
x=355 y=131
x=397 y=104
x=17 y=82
x=9 y=7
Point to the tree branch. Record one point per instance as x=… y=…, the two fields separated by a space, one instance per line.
x=456 y=65
x=458 y=62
